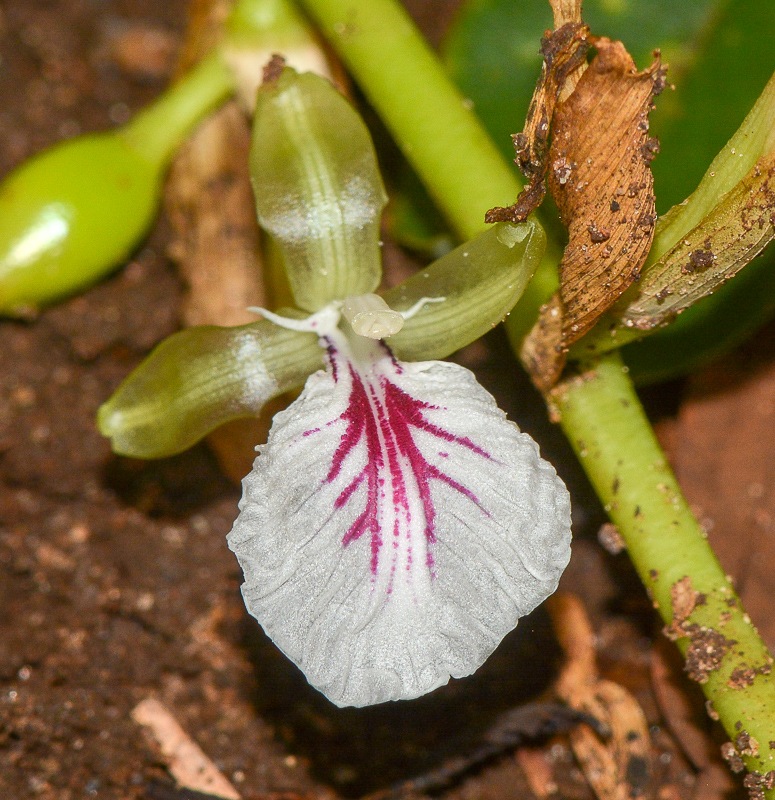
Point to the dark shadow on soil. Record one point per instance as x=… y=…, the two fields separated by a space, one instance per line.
x=172 y=487
x=357 y=751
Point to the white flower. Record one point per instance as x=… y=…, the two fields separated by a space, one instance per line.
x=396 y=525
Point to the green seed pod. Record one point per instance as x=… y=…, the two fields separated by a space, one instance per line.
x=200 y=378
x=70 y=214
x=318 y=189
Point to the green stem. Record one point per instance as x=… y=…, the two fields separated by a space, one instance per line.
x=406 y=83
x=157 y=131
x=253 y=31
x=608 y=429
x=601 y=414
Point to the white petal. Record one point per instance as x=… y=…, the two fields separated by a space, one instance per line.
x=395 y=526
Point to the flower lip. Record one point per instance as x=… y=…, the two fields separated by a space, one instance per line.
x=396 y=525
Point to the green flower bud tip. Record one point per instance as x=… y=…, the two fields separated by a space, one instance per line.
x=72 y=213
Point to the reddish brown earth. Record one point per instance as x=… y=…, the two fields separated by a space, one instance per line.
x=115 y=580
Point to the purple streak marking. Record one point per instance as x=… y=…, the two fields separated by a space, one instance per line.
x=381 y=416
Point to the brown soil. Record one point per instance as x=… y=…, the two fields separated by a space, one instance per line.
x=115 y=580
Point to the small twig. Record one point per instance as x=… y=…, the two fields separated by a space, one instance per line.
x=159 y=791
x=186 y=761
x=531 y=722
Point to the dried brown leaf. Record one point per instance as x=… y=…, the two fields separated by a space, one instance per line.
x=600 y=178
x=564 y=52
x=215 y=234
x=215 y=237
x=737 y=230
x=597 y=168
x=619 y=767
x=542 y=353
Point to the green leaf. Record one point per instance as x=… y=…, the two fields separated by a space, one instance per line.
x=481 y=281
x=200 y=378
x=318 y=189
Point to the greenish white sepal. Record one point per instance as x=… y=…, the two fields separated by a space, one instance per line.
x=200 y=378
x=318 y=188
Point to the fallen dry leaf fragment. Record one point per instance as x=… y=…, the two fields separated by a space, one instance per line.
x=215 y=236
x=597 y=167
x=620 y=767
x=186 y=761
x=211 y=209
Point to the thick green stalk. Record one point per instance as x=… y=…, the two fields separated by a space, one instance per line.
x=608 y=429
x=601 y=414
x=157 y=131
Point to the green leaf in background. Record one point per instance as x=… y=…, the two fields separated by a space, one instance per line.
x=713 y=95
x=492 y=49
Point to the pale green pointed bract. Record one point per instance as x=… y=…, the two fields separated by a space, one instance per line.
x=318 y=188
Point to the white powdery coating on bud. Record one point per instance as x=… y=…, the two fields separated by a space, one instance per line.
x=395 y=527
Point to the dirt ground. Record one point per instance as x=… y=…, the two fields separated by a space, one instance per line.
x=115 y=580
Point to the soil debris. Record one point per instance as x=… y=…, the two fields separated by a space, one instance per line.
x=746 y=745
x=732 y=757
x=756 y=783
x=684 y=599
x=706 y=651
x=744 y=676
x=698 y=260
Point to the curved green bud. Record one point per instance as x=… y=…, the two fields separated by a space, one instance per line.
x=481 y=281
x=200 y=378
x=72 y=213
x=69 y=215
x=318 y=189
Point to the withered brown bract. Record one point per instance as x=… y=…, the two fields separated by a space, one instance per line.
x=597 y=167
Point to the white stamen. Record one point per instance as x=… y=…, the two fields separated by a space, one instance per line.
x=420 y=305
x=321 y=322
x=370 y=316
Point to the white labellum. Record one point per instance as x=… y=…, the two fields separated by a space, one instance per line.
x=396 y=525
